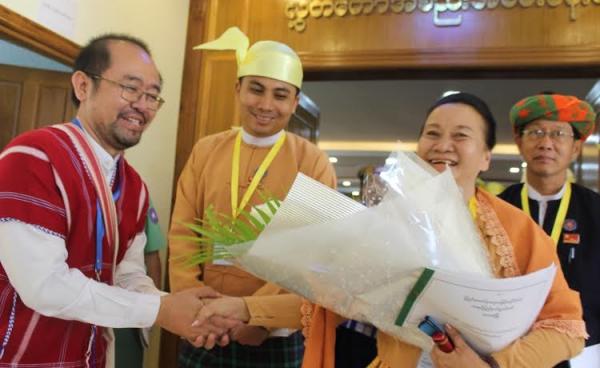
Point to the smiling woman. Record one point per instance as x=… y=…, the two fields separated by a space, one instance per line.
x=459 y=133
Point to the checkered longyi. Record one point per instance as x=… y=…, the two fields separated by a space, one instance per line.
x=276 y=352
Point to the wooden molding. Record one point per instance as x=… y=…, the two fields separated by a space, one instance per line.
x=37 y=37
x=189 y=110
x=509 y=57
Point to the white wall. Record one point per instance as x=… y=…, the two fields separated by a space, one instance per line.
x=163 y=25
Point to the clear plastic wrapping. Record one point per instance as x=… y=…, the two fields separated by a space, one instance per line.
x=361 y=262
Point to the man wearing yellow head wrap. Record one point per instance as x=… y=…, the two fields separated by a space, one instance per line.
x=549 y=131
x=228 y=171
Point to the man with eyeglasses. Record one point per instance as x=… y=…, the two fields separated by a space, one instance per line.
x=549 y=131
x=72 y=216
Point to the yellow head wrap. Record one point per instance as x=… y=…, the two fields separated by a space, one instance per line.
x=269 y=59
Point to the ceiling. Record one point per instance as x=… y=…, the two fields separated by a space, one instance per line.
x=361 y=120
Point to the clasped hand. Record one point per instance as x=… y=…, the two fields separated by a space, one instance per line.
x=178 y=313
x=206 y=318
x=225 y=308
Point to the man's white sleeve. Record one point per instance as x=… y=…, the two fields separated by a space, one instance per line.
x=35 y=262
x=131 y=271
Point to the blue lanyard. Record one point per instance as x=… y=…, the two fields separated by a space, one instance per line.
x=100 y=230
x=100 y=233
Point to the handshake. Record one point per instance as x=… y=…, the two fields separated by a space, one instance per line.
x=206 y=318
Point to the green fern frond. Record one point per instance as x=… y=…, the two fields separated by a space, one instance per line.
x=263 y=215
x=216 y=231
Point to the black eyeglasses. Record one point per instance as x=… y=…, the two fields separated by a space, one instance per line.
x=133 y=94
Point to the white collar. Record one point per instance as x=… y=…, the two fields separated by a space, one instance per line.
x=108 y=163
x=536 y=196
x=261 y=141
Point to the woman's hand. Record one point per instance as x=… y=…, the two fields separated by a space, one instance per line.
x=227 y=307
x=462 y=355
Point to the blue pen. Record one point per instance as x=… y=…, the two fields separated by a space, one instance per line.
x=430 y=326
x=437 y=333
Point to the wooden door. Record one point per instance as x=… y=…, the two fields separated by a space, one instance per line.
x=32 y=98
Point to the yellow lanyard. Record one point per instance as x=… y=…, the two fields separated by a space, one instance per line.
x=560 y=216
x=235 y=173
x=473 y=207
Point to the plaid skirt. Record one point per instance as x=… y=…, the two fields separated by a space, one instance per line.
x=279 y=352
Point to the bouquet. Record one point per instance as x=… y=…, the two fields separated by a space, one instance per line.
x=359 y=262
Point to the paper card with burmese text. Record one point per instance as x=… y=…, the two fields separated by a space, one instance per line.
x=489 y=313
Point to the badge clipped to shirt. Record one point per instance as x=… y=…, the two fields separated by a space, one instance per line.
x=153 y=215
x=570 y=225
x=571 y=238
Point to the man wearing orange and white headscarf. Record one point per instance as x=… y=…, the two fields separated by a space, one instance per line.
x=228 y=171
x=549 y=131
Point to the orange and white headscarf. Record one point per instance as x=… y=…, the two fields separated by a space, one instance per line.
x=566 y=109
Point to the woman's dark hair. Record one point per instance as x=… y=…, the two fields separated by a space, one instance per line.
x=476 y=103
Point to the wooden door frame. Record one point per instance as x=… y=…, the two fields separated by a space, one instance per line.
x=36 y=37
